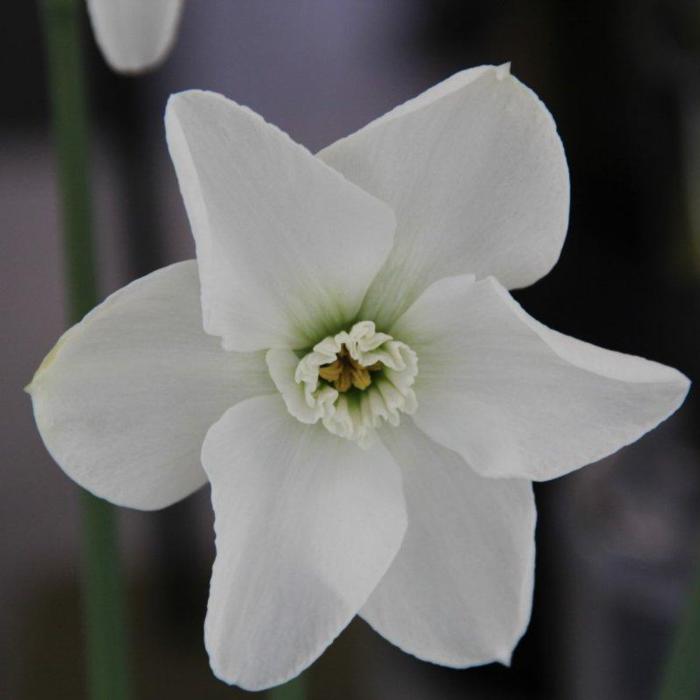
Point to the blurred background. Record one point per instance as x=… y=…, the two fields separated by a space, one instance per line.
x=617 y=542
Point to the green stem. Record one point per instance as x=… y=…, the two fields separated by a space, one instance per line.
x=104 y=606
x=681 y=680
x=294 y=690
x=104 y=609
x=70 y=132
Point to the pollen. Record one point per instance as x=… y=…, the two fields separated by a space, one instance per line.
x=347 y=372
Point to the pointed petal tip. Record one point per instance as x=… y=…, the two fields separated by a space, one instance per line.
x=192 y=95
x=183 y=95
x=31 y=387
x=505 y=659
x=49 y=360
x=193 y=103
x=503 y=71
x=683 y=384
x=178 y=99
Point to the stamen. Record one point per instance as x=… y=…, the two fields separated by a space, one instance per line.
x=347 y=372
x=355 y=380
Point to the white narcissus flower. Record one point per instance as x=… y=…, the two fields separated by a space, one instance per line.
x=369 y=402
x=134 y=35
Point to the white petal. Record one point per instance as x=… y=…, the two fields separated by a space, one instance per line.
x=476 y=174
x=459 y=592
x=134 y=35
x=125 y=398
x=286 y=246
x=515 y=398
x=306 y=525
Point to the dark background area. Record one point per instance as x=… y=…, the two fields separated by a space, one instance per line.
x=617 y=541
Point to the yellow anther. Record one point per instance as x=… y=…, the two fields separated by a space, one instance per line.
x=346 y=372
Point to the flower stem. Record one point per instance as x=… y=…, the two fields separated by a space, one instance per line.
x=681 y=680
x=293 y=690
x=103 y=597
x=104 y=606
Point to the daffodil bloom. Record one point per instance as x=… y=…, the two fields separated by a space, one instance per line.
x=369 y=403
x=134 y=35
